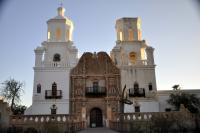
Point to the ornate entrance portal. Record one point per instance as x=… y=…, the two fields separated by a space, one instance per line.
x=96 y=118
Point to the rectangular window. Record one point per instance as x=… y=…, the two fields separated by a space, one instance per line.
x=150 y=87
x=137 y=108
x=53 y=111
x=38 y=88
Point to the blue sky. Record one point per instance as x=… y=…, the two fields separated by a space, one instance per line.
x=172 y=27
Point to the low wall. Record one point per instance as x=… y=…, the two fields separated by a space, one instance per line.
x=46 y=123
x=159 y=122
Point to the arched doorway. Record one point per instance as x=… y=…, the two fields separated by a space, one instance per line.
x=96 y=118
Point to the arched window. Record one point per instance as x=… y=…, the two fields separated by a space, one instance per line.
x=54 y=89
x=132 y=57
x=58 y=34
x=150 y=87
x=38 y=88
x=48 y=35
x=56 y=57
x=120 y=36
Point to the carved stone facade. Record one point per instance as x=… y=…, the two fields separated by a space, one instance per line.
x=95 y=88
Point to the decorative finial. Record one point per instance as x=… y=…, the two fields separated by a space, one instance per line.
x=61 y=3
x=61 y=10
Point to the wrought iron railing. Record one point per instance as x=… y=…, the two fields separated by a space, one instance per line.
x=50 y=94
x=95 y=91
x=136 y=92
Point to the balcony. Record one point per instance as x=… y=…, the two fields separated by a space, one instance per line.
x=49 y=94
x=95 y=91
x=136 y=92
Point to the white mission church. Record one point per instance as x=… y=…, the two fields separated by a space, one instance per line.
x=53 y=88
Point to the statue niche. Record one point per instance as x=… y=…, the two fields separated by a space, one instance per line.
x=78 y=87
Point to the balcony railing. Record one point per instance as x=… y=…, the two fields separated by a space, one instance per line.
x=95 y=91
x=49 y=94
x=54 y=64
x=136 y=92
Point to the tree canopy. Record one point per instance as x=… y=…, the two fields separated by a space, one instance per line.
x=190 y=101
x=11 y=90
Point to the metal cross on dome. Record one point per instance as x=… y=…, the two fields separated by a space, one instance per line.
x=61 y=3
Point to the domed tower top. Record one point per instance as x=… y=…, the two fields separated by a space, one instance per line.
x=60 y=28
x=61 y=11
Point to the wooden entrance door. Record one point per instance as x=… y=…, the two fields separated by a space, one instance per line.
x=96 y=118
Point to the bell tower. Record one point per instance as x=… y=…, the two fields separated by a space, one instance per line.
x=130 y=48
x=128 y=29
x=54 y=60
x=136 y=62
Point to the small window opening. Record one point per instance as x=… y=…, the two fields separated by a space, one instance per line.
x=39 y=88
x=150 y=87
x=137 y=108
x=53 y=109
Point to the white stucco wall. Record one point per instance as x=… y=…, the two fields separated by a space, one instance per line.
x=38 y=108
x=46 y=78
x=145 y=106
x=142 y=75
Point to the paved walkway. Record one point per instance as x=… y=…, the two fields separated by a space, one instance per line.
x=98 y=130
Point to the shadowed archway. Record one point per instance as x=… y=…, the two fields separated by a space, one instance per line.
x=96 y=118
